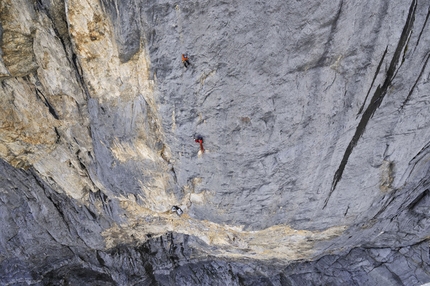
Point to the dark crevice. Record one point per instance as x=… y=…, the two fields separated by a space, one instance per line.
x=324 y=89
x=38 y=6
x=98 y=196
x=38 y=181
x=51 y=109
x=72 y=59
x=58 y=207
x=346 y=211
x=57 y=141
x=418 y=199
x=90 y=132
x=64 y=38
x=421 y=32
x=150 y=272
x=396 y=277
x=104 y=199
x=49 y=197
x=376 y=99
x=80 y=75
x=175 y=177
x=15 y=235
x=334 y=24
x=81 y=164
x=420 y=152
x=373 y=80
x=402 y=46
x=100 y=259
x=93 y=215
x=418 y=157
x=415 y=83
x=383 y=208
x=52 y=237
x=404 y=54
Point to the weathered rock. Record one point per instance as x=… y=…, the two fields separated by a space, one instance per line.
x=316 y=135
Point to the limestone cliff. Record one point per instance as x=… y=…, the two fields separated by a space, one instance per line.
x=316 y=127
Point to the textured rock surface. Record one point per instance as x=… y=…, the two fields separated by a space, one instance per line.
x=315 y=120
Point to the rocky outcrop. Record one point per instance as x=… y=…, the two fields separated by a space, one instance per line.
x=316 y=133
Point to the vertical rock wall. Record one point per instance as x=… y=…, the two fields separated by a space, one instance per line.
x=316 y=132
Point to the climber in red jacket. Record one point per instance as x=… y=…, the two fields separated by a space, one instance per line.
x=199 y=140
x=185 y=60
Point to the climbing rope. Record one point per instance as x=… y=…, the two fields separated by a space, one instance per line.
x=179 y=25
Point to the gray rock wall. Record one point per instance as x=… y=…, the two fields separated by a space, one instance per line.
x=51 y=240
x=281 y=132
x=315 y=121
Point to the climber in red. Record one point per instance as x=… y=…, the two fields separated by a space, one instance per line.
x=185 y=60
x=199 y=140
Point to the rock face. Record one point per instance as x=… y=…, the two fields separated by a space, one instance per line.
x=315 y=124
